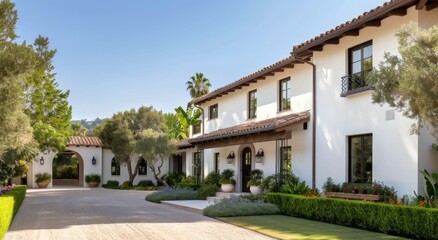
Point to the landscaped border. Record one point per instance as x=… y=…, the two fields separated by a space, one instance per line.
x=10 y=203
x=405 y=221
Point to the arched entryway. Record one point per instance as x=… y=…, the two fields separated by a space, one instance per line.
x=246 y=168
x=68 y=169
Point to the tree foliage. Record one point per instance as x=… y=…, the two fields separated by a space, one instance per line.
x=409 y=82
x=124 y=129
x=185 y=118
x=78 y=130
x=198 y=85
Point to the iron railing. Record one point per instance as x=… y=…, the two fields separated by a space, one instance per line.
x=355 y=83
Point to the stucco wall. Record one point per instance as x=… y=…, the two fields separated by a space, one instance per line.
x=395 y=151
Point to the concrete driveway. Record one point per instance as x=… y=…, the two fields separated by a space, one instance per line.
x=82 y=213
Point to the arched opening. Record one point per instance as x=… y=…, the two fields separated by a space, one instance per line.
x=68 y=169
x=246 y=168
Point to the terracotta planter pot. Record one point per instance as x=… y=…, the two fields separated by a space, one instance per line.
x=93 y=184
x=43 y=184
x=227 y=187
x=354 y=196
x=256 y=190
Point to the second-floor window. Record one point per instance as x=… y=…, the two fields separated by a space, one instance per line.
x=213 y=112
x=252 y=104
x=196 y=128
x=360 y=63
x=285 y=94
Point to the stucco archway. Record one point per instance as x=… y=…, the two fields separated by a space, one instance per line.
x=79 y=168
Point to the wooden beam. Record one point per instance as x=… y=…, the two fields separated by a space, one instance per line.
x=420 y=5
x=354 y=33
x=398 y=12
x=279 y=70
x=269 y=74
x=261 y=137
x=288 y=66
x=431 y=6
x=332 y=41
x=317 y=48
x=375 y=23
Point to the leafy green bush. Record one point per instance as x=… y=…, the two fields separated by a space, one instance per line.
x=207 y=190
x=406 y=221
x=10 y=203
x=174 y=178
x=274 y=182
x=213 y=178
x=145 y=183
x=43 y=177
x=300 y=188
x=238 y=206
x=256 y=177
x=227 y=177
x=188 y=182
x=126 y=185
x=92 y=178
x=112 y=184
x=172 y=193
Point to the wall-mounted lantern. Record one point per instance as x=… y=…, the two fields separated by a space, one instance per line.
x=93 y=161
x=42 y=160
x=230 y=158
x=259 y=156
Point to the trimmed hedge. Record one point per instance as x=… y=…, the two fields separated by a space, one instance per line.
x=406 y=221
x=10 y=203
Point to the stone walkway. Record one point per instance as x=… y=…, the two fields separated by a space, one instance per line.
x=82 y=213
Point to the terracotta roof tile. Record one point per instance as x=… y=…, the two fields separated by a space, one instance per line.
x=379 y=12
x=183 y=144
x=251 y=77
x=252 y=128
x=84 y=141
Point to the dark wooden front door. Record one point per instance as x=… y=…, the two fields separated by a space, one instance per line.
x=246 y=168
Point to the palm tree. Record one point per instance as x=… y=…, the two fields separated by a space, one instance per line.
x=198 y=85
x=78 y=130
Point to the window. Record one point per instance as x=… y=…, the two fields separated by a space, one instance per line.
x=197 y=164
x=285 y=94
x=360 y=158
x=252 y=104
x=285 y=160
x=216 y=162
x=196 y=128
x=360 y=63
x=142 y=168
x=213 y=113
x=115 y=167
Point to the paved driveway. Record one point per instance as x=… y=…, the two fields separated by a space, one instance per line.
x=81 y=213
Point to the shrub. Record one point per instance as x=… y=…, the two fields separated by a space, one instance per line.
x=238 y=206
x=172 y=193
x=300 y=188
x=10 y=203
x=145 y=183
x=213 y=178
x=174 y=178
x=274 y=182
x=111 y=183
x=406 y=221
x=256 y=177
x=227 y=177
x=149 y=188
x=207 y=190
x=92 y=178
x=188 y=182
x=126 y=185
x=43 y=177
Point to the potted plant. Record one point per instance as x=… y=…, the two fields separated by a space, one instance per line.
x=255 y=182
x=43 y=179
x=227 y=181
x=92 y=180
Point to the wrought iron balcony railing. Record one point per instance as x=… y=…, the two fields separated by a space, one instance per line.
x=355 y=83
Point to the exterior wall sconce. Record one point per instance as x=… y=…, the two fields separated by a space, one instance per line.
x=93 y=161
x=42 y=160
x=230 y=158
x=259 y=156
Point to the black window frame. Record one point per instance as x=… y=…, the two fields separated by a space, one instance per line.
x=362 y=159
x=213 y=114
x=252 y=104
x=285 y=162
x=142 y=167
x=196 y=128
x=216 y=163
x=355 y=81
x=288 y=93
x=115 y=167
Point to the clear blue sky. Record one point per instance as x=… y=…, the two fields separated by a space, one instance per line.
x=116 y=55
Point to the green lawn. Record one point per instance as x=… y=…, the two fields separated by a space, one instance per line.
x=284 y=227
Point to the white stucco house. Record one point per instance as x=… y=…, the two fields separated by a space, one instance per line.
x=312 y=111
x=93 y=159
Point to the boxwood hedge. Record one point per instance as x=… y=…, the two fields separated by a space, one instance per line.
x=406 y=221
x=9 y=205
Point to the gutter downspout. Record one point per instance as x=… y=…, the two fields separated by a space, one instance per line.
x=313 y=118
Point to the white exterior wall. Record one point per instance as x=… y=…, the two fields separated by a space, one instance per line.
x=395 y=152
x=87 y=154
x=124 y=176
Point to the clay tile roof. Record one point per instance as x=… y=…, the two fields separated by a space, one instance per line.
x=252 y=128
x=247 y=79
x=84 y=141
x=377 y=13
x=183 y=144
